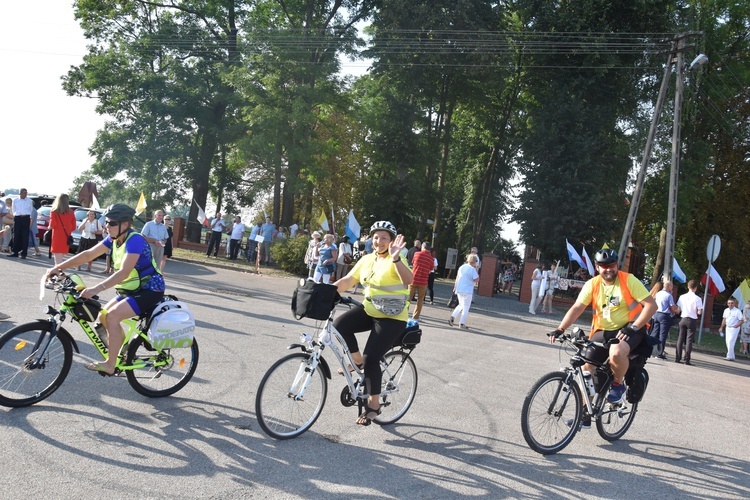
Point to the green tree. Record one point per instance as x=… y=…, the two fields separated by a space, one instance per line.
x=158 y=70
x=583 y=97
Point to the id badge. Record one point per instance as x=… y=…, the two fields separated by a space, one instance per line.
x=607 y=313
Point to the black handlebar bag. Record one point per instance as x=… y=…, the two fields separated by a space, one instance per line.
x=314 y=300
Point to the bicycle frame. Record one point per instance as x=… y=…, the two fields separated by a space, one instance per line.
x=328 y=337
x=130 y=330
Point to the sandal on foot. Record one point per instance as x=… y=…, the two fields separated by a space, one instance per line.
x=351 y=369
x=96 y=367
x=365 y=418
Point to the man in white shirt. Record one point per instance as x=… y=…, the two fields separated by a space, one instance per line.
x=22 y=208
x=730 y=324
x=156 y=235
x=690 y=307
x=237 y=232
x=217 y=229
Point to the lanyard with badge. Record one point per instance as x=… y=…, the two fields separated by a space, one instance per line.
x=610 y=301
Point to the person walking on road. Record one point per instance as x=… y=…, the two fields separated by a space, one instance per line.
x=464 y=289
x=536 y=282
x=730 y=324
x=690 y=307
x=666 y=309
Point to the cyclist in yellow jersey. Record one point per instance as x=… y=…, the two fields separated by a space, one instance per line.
x=386 y=278
x=622 y=308
x=137 y=279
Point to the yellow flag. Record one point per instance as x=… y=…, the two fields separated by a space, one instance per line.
x=141 y=207
x=323 y=220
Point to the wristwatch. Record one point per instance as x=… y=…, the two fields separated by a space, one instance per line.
x=396 y=261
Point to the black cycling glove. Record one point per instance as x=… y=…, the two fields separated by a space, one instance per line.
x=556 y=334
x=629 y=331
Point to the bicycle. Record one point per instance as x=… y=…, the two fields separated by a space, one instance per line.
x=36 y=357
x=293 y=391
x=556 y=405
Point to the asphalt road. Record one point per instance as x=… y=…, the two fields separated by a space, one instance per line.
x=97 y=437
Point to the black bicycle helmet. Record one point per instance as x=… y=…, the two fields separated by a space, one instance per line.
x=605 y=256
x=383 y=225
x=120 y=212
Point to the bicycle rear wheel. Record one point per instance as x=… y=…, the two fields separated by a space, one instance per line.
x=399 y=387
x=160 y=373
x=27 y=375
x=290 y=397
x=551 y=413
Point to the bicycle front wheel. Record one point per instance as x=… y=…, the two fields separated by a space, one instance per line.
x=290 y=397
x=551 y=413
x=157 y=374
x=33 y=364
x=399 y=387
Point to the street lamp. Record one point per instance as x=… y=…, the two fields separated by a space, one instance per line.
x=676 y=150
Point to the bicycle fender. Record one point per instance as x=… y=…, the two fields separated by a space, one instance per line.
x=65 y=333
x=301 y=346
x=323 y=366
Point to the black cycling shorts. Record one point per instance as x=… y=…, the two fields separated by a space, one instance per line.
x=633 y=340
x=142 y=301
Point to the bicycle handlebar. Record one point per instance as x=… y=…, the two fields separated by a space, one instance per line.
x=65 y=285
x=348 y=301
x=581 y=342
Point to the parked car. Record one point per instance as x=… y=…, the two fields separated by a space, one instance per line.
x=42 y=224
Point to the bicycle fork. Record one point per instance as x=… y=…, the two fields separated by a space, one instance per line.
x=303 y=377
x=37 y=358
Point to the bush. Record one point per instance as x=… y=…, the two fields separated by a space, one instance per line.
x=289 y=254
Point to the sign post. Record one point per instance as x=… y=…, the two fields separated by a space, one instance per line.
x=712 y=252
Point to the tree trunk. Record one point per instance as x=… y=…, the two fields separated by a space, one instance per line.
x=659 y=264
x=443 y=170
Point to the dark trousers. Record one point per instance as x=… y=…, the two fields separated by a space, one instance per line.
x=430 y=286
x=661 y=322
x=383 y=332
x=251 y=253
x=687 y=333
x=21 y=234
x=234 y=249
x=214 y=243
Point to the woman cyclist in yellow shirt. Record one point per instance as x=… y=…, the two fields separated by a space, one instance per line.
x=386 y=278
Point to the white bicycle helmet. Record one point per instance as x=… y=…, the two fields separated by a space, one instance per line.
x=383 y=225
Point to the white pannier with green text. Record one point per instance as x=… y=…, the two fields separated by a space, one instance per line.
x=172 y=325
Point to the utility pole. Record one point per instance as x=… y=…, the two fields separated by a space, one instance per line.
x=674 y=174
x=638 y=191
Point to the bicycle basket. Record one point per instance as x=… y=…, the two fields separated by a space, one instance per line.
x=314 y=300
x=171 y=325
x=409 y=338
x=87 y=309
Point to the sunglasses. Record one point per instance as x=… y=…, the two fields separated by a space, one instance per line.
x=612 y=265
x=113 y=223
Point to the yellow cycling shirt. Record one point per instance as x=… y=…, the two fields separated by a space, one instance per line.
x=610 y=304
x=380 y=278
